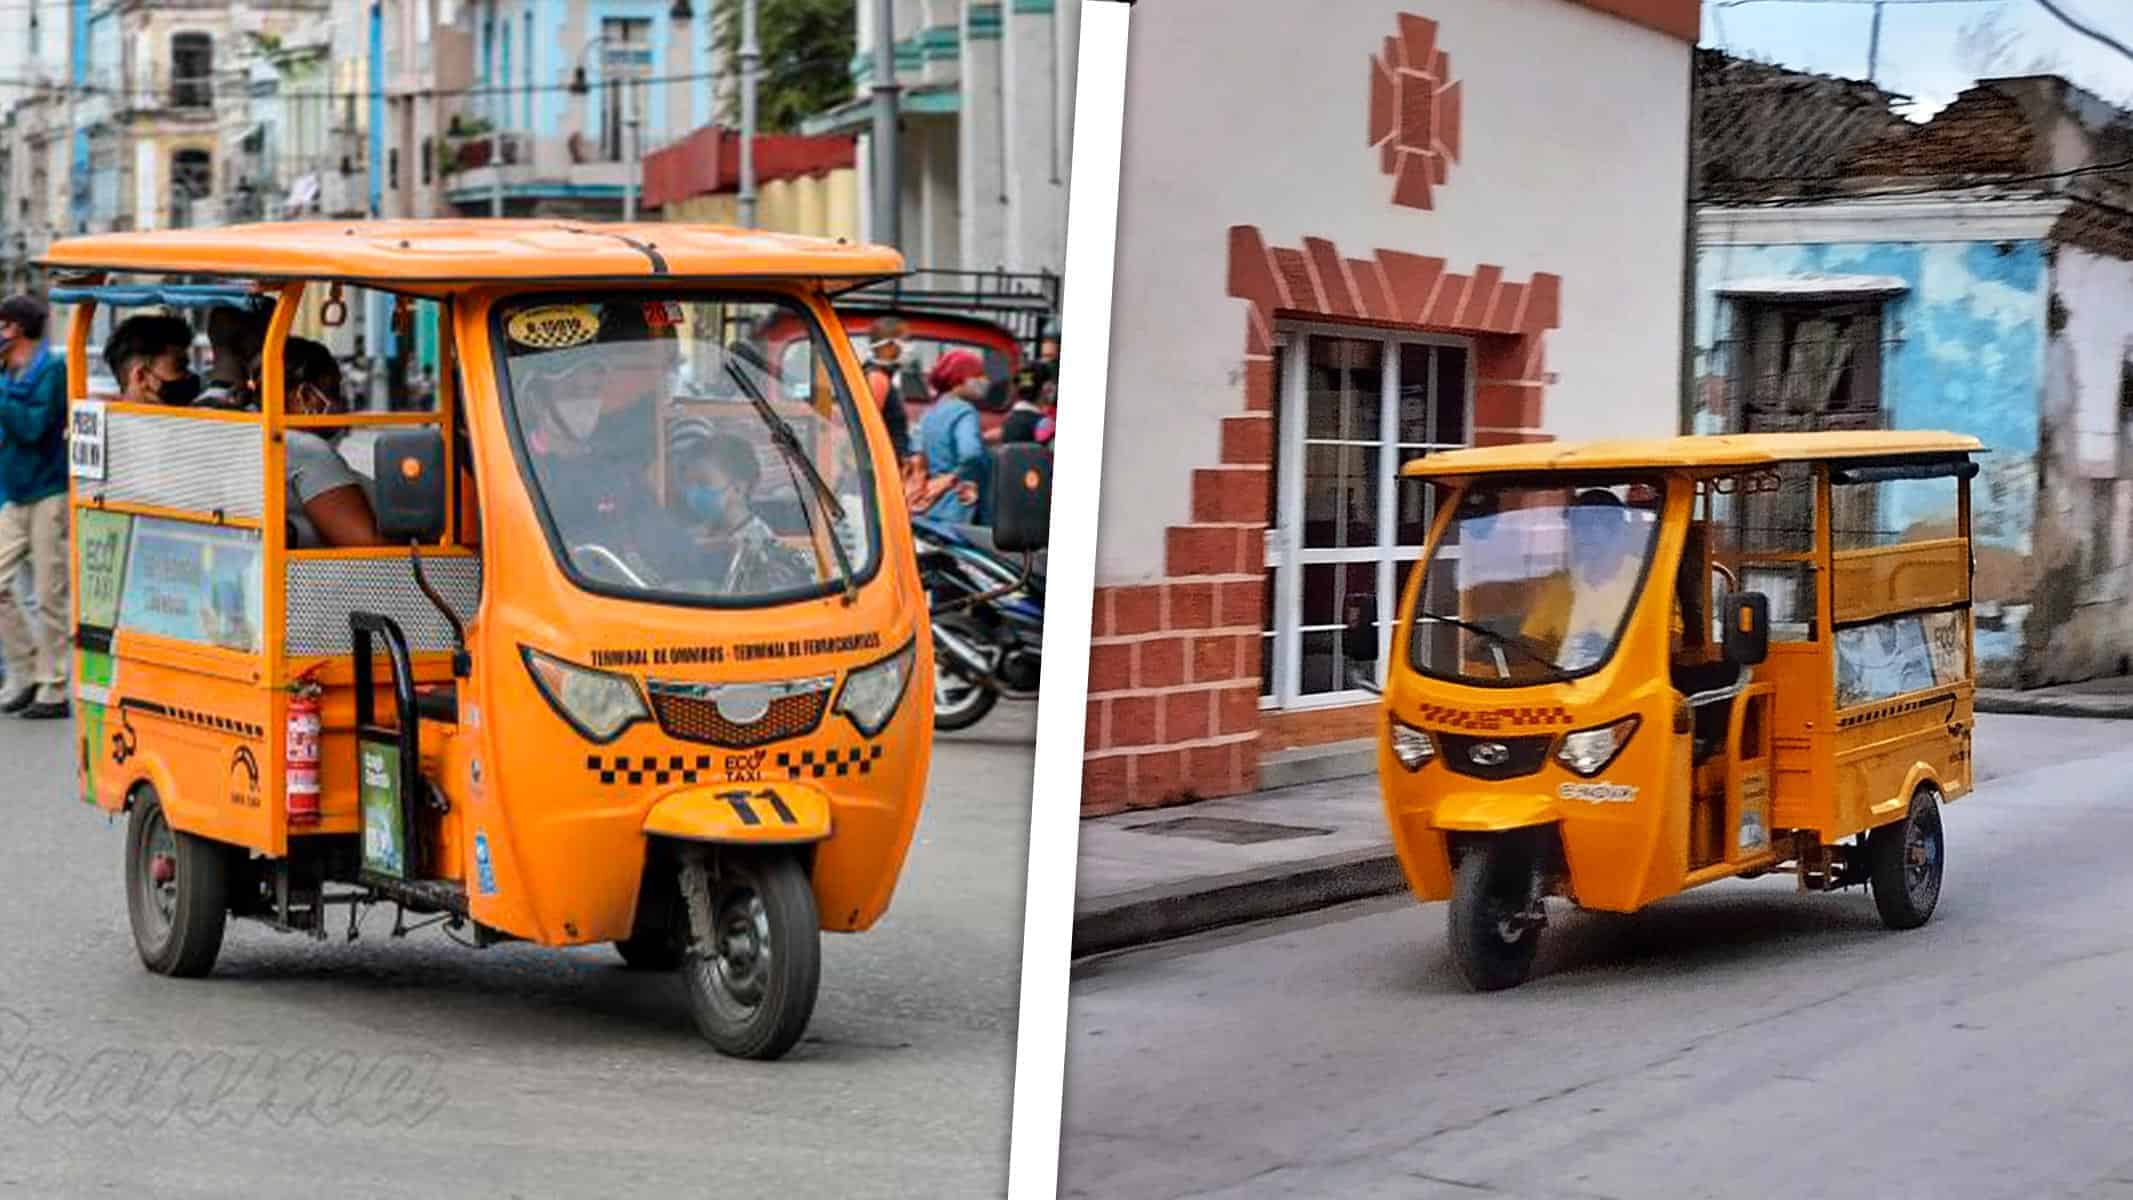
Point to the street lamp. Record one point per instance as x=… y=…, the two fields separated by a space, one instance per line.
x=579 y=86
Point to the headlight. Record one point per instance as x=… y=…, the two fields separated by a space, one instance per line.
x=597 y=704
x=871 y=693
x=1411 y=746
x=1588 y=751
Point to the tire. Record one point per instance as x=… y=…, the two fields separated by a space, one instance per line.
x=1492 y=884
x=1905 y=860
x=959 y=703
x=752 y=993
x=177 y=920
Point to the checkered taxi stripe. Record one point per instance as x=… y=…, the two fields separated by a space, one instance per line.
x=857 y=760
x=1518 y=716
x=694 y=768
x=624 y=768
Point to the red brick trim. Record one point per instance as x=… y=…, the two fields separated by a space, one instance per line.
x=1414 y=111
x=1174 y=664
x=1173 y=692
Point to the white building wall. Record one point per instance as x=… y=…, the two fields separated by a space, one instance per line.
x=1256 y=112
x=981 y=176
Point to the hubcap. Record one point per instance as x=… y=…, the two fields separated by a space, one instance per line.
x=1921 y=854
x=159 y=875
x=742 y=966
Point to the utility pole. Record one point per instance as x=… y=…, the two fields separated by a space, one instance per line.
x=496 y=168
x=629 y=137
x=751 y=56
x=888 y=187
x=1873 y=46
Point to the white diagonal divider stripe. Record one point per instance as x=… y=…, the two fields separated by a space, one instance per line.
x=1077 y=468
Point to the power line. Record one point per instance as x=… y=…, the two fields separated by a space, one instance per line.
x=1935 y=189
x=2067 y=20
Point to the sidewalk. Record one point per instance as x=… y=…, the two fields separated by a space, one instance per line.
x=2111 y=697
x=1154 y=874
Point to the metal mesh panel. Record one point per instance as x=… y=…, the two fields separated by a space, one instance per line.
x=698 y=720
x=322 y=591
x=182 y=463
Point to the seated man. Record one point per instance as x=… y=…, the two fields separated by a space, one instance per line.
x=147 y=355
x=713 y=482
x=588 y=413
x=235 y=336
x=325 y=502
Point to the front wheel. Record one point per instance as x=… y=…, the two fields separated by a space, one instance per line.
x=1904 y=860
x=755 y=951
x=959 y=703
x=177 y=892
x=1493 y=934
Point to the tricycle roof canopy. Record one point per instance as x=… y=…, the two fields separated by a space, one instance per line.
x=1691 y=453
x=475 y=251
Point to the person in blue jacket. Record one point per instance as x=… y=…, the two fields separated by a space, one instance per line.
x=953 y=441
x=33 y=513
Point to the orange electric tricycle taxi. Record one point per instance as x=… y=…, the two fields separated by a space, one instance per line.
x=1626 y=669
x=620 y=639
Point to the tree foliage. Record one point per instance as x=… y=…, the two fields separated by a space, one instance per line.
x=806 y=48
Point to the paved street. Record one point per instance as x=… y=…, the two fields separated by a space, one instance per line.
x=1743 y=1039
x=527 y=1072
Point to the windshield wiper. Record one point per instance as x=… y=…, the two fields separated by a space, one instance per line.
x=788 y=443
x=1500 y=639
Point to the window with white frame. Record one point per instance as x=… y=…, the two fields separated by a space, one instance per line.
x=1351 y=407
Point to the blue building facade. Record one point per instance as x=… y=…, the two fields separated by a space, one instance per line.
x=1993 y=317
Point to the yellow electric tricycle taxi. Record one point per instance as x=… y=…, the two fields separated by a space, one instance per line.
x=1626 y=669
x=617 y=638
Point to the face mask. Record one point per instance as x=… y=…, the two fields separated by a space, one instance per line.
x=178 y=392
x=578 y=418
x=705 y=501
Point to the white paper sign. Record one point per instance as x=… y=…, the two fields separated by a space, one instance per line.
x=85 y=440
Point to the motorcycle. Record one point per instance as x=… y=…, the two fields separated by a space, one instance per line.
x=988 y=621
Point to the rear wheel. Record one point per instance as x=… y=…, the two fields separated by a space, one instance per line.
x=177 y=892
x=1904 y=860
x=755 y=959
x=1493 y=937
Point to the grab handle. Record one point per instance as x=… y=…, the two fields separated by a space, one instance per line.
x=405 y=733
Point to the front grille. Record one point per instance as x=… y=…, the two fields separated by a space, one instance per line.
x=1521 y=755
x=691 y=712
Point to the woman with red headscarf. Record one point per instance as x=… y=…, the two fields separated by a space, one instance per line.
x=951 y=440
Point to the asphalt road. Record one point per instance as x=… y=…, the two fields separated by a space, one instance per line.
x=1740 y=1040
x=505 y=1072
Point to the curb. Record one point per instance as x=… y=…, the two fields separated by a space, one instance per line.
x=2032 y=705
x=1165 y=911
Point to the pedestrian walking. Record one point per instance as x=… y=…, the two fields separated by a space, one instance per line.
x=949 y=436
x=33 y=513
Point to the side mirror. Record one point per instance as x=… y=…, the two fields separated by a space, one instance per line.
x=1747 y=628
x=410 y=481
x=1022 y=498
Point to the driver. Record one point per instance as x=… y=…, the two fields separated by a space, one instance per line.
x=588 y=412
x=714 y=478
x=1581 y=607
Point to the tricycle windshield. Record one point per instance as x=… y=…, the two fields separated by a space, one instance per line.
x=1534 y=582
x=671 y=463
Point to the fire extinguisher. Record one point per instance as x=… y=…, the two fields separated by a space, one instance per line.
x=301 y=762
